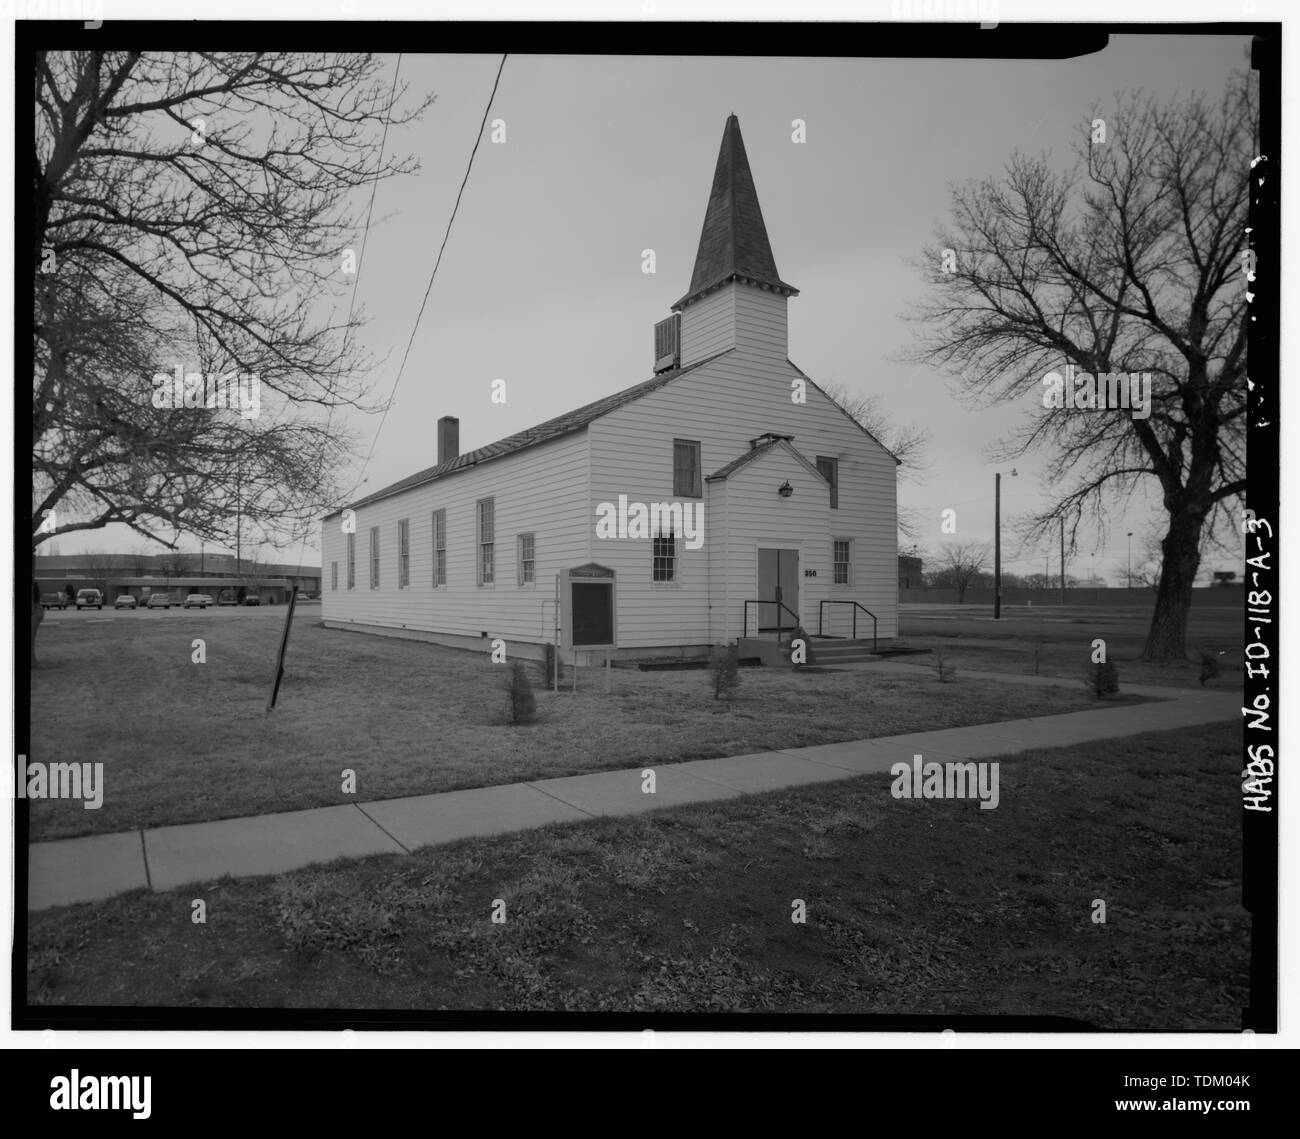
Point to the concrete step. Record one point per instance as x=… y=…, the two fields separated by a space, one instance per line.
x=838 y=650
x=841 y=648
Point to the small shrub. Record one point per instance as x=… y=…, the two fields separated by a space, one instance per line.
x=523 y=704
x=1036 y=655
x=724 y=671
x=1102 y=679
x=546 y=666
x=947 y=672
x=1209 y=667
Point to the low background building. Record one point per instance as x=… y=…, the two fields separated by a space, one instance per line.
x=141 y=575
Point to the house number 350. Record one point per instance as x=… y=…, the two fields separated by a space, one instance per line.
x=810 y=573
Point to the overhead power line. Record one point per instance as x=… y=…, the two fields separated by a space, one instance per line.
x=438 y=261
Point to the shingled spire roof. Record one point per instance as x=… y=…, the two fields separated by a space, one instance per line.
x=733 y=242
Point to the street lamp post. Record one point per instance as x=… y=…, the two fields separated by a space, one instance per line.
x=997 y=543
x=1130 y=559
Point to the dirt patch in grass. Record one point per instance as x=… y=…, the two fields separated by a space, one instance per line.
x=184 y=742
x=927 y=906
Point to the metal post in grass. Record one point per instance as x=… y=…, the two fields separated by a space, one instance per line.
x=284 y=644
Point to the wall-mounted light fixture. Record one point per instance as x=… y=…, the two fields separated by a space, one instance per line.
x=785 y=490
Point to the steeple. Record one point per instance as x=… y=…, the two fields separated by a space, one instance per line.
x=733 y=240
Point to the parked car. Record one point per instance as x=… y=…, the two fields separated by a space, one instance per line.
x=227 y=597
x=54 y=600
x=158 y=601
x=252 y=599
x=124 y=601
x=197 y=601
x=90 y=599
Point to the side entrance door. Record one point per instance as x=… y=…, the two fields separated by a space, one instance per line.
x=593 y=612
x=778 y=580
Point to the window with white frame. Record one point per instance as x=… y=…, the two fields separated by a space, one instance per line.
x=527 y=560
x=686 y=468
x=439 y=548
x=665 y=557
x=486 y=542
x=352 y=561
x=403 y=553
x=334 y=575
x=842 y=561
x=374 y=557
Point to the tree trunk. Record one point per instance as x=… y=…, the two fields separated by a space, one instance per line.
x=1167 y=637
x=38 y=615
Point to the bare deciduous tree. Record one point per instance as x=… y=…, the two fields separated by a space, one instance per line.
x=959 y=564
x=192 y=211
x=1130 y=263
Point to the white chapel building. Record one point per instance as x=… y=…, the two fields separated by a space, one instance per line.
x=725 y=497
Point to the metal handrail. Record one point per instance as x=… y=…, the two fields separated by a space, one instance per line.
x=779 y=627
x=857 y=605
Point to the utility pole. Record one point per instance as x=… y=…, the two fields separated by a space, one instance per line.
x=1062 y=561
x=239 y=571
x=997 y=543
x=1130 y=559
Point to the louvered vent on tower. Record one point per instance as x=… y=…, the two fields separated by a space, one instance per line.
x=668 y=343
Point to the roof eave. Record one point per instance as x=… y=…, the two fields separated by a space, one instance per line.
x=767 y=286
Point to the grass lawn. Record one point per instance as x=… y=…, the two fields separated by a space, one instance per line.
x=1061 y=640
x=912 y=907
x=184 y=742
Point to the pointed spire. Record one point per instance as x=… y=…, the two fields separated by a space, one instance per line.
x=733 y=241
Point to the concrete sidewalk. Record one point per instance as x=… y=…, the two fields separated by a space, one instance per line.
x=162 y=858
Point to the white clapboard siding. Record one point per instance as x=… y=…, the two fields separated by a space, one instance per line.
x=709 y=326
x=556 y=489
x=758 y=517
x=718 y=518
x=543 y=490
x=724 y=404
x=734 y=315
x=761 y=321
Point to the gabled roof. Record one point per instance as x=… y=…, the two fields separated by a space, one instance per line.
x=757 y=453
x=897 y=461
x=544 y=432
x=733 y=240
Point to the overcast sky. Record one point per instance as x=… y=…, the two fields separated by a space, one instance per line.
x=541 y=283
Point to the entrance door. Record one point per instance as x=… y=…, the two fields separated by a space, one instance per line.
x=778 y=580
x=593 y=612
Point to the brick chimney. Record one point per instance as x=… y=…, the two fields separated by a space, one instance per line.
x=448 y=438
